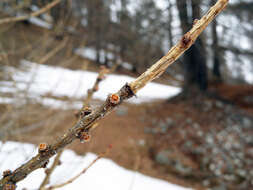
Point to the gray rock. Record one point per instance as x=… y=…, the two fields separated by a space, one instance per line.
x=162 y=157
x=247 y=123
x=219 y=104
x=196 y=126
x=206 y=183
x=207 y=106
x=169 y=121
x=188 y=120
x=163 y=127
x=182 y=169
x=151 y=130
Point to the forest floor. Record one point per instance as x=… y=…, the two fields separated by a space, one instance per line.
x=151 y=138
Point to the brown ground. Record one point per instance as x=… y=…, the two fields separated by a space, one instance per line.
x=133 y=148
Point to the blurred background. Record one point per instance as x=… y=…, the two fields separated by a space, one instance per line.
x=192 y=127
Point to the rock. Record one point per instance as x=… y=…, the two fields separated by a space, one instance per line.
x=207 y=106
x=188 y=120
x=163 y=157
x=206 y=183
x=196 y=126
x=219 y=104
x=247 y=123
x=122 y=111
x=163 y=127
x=200 y=133
x=182 y=169
x=209 y=139
x=169 y=121
x=150 y=130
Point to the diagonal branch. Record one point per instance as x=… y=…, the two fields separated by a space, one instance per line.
x=127 y=91
x=34 y=14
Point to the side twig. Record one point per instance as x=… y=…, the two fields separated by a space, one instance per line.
x=79 y=174
x=87 y=120
x=101 y=76
x=34 y=14
x=90 y=92
x=50 y=170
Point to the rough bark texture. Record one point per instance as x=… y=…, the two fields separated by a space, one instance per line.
x=127 y=91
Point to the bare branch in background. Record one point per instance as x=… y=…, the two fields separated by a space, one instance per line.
x=79 y=174
x=127 y=91
x=34 y=14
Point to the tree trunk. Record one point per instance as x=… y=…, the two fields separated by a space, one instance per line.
x=215 y=47
x=194 y=60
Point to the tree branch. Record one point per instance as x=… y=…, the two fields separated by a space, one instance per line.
x=86 y=122
x=34 y=14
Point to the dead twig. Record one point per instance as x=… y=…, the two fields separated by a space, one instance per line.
x=79 y=174
x=53 y=52
x=50 y=170
x=87 y=120
x=34 y=14
x=90 y=92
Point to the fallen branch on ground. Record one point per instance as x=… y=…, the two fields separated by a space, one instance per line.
x=34 y=14
x=86 y=122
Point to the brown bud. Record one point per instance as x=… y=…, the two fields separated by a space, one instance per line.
x=9 y=187
x=114 y=99
x=43 y=147
x=96 y=88
x=84 y=137
x=6 y=173
x=47 y=171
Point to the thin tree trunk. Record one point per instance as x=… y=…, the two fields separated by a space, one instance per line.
x=215 y=47
x=194 y=61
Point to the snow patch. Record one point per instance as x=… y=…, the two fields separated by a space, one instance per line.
x=60 y=82
x=104 y=174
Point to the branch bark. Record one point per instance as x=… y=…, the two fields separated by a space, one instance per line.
x=86 y=122
x=34 y=14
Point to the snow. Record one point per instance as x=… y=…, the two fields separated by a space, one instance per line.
x=104 y=174
x=39 y=22
x=62 y=82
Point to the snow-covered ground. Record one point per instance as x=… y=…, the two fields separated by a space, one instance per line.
x=103 y=175
x=39 y=80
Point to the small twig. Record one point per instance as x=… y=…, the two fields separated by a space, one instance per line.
x=53 y=52
x=90 y=92
x=86 y=122
x=34 y=14
x=79 y=174
x=50 y=170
